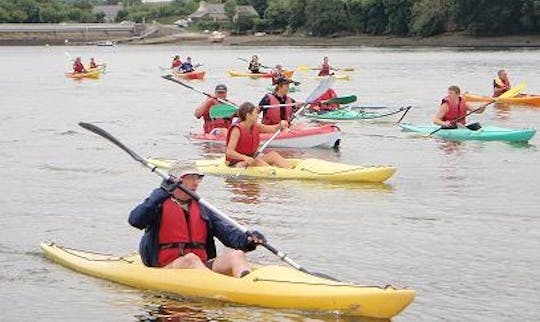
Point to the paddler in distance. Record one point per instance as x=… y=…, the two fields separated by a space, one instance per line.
x=254 y=65
x=243 y=141
x=274 y=115
x=325 y=67
x=453 y=110
x=501 y=83
x=214 y=126
x=179 y=232
x=176 y=62
x=78 y=66
x=187 y=66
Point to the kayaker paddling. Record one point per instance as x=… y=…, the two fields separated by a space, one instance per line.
x=453 y=110
x=254 y=65
x=277 y=73
x=218 y=125
x=187 y=66
x=326 y=68
x=176 y=62
x=243 y=140
x=320 y=107
x=274 y=115
x=93 y=63
x=78 y=66
x=501 y=83
x=179 y=232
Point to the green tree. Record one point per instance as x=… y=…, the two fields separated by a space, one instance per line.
x=429 y=17
x=399 y=16
x=259 y=5
x=230 y=8
x=376 y=19
x=277 y=15
x=325 y=17
x=356 y=16
x=297 y=16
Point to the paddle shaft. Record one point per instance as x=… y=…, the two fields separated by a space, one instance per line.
x=99 y=131
x=249 y=61
x=172 y=79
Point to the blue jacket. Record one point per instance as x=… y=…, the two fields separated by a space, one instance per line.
x=186 y=67
x=147 y=216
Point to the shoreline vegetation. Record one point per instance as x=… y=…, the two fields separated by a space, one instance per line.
x=431 y=23
x=166 y=36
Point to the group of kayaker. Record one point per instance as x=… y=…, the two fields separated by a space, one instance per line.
x=183 y=67
x=78 y=66
x=454 y=108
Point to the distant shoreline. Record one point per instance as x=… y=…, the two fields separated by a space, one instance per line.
x=199 y=39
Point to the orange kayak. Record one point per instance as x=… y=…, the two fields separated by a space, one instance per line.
x=198 y=74
x=234 y=73
x=527 y=100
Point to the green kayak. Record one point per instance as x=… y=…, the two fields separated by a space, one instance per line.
x=486 y=133
x=350 y=114
x=292 y=88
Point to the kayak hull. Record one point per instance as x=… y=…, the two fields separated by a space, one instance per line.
x=486 y=133
x=527 y=100
x=198 y=74
x=345 y=114
x=336 y=76
x=267 y=286
x=235 y=73
x=93 y=74
x=304 y=169
x=327 y=136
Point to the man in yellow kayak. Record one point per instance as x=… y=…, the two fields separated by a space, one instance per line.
x=179 y=232
x=453 y=110
x=243 y=141
x=501 y=83
x=214 y=126
x=274 y=115
x=254 y=65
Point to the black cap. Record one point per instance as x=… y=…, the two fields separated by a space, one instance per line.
x=283 y=80
x=221 y=88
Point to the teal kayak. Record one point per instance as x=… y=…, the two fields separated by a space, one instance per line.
x=292 y=88
x=350 y=114
x=486 y=133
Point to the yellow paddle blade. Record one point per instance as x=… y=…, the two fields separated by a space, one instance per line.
x=347 y=69
x=303 y=68
x=516 y=90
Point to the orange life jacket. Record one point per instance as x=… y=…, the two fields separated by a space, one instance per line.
x=274 y=115
x=181 y=232
x=248 y=141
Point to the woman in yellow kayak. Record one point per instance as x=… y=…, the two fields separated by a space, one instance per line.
x=326 y=68
x=243 y=141
x=453 y=110
x=179 y=232
x=501 y=83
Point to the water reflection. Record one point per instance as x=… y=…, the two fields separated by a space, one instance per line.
x=454 y=148
x=244 y=191
x=171 y=309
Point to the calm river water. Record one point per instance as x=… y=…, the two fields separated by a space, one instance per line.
x=458 y=222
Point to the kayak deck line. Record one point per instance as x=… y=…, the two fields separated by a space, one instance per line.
x=387 y=286
x=76 y=252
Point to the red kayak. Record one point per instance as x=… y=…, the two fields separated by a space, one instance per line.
x=326 y=136
x=198 y=74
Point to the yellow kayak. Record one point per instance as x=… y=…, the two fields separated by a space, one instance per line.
x=266 y=286
x=305 y=169
x=336 y=76
x=235 y=73
x=95 y=74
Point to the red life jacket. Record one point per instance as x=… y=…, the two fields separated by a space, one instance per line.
x=176 y=63
x=181 y=233
x=455 y=110
x=325 y=70
x=248 y=141
x=78 y=67
x=274 y=115
x=330 y=93
x=209 y=123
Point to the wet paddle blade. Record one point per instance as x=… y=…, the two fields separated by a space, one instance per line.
x=341 y=100
x=222 y=111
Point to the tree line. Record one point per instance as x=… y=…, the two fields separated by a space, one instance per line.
x=312 y=17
